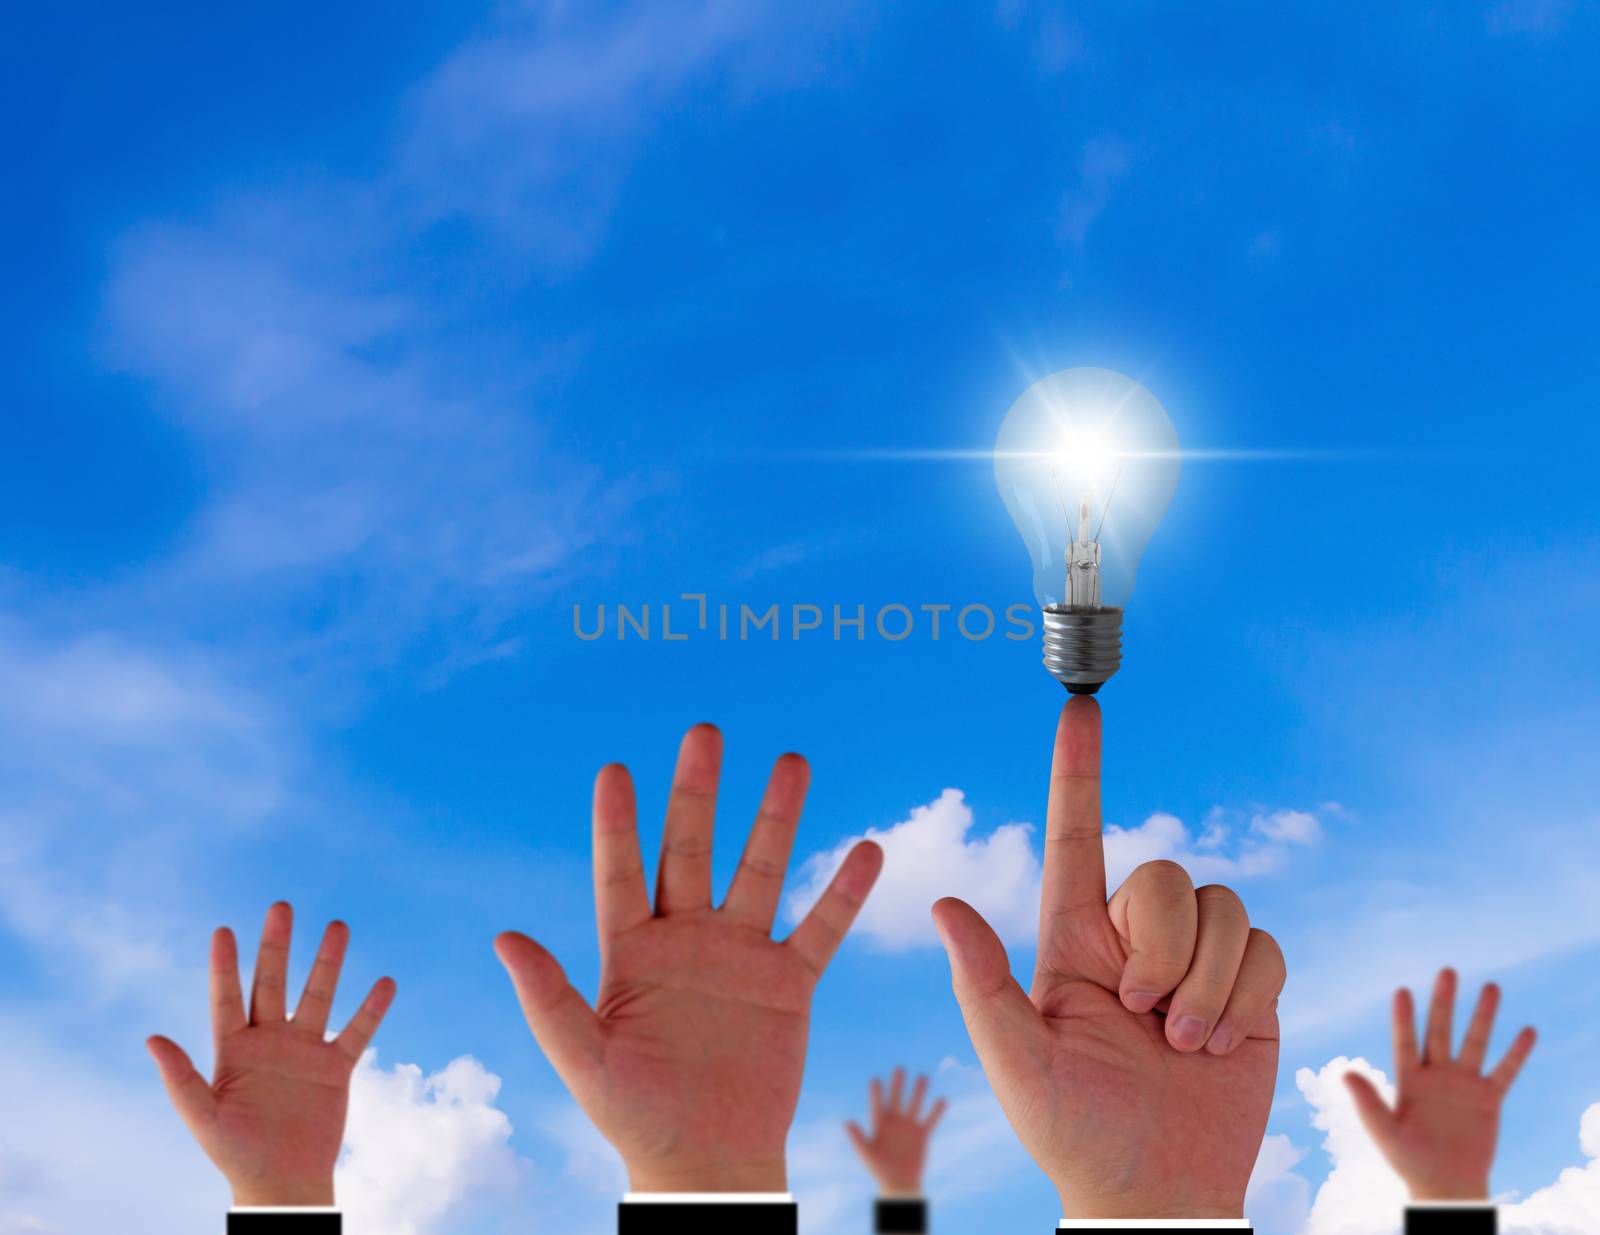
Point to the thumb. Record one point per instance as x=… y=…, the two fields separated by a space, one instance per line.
x=1374 y=1111
x=565 y=1027
x=191 y=1097
x=1001 y=1020
x=858 y=1138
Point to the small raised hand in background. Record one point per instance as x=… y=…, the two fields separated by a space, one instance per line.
x=272 y=1116
x=1440 y=1134
x=897 y=1148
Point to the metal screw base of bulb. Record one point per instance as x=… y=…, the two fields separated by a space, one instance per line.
x=1082 y=647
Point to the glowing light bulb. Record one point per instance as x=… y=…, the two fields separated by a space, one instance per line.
x=1086 y=462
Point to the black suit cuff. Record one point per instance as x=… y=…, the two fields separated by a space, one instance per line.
x=1427 y=1219
x=284 y=1222
x=689 y=1218
x=900 y=1216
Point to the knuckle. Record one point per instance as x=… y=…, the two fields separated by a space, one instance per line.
x=1221 y=906
x=1219 y=895
x=1168 y=958
x=783 y=820
x=1165 y=877
x=763 y=867
x=1205 y=989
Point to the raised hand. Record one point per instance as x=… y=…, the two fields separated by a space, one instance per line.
x=1440 y=1134
x=690 y=1061
x=898 y=1146
x=272 y=1117
x=1139 y=1070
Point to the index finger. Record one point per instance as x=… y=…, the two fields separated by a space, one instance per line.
x=1074 y=861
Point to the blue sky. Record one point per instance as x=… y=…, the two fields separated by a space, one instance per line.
x=351 y=350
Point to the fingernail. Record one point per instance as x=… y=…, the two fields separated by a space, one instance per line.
x=1187 y=1033
x=1220 y=1037
x=1140 y=1001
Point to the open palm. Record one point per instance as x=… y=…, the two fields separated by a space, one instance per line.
x=1139 y=1070
x=691 y=1059
x=1440 y=1135
x=272 y=1117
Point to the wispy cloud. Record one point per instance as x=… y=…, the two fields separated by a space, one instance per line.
x=1489 y=856
x=376 y=455
x=1058 y=44
x=119 y=759
x=360 y=463
x=100 y=1141
x=1400 y=927
x=1535 y=17
x=1058 y=41
x=1102 y=164
x=569 y=96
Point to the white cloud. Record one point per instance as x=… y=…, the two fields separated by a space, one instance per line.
x=417 y=1149
x=1295 y=827
x=934 y=853
x=1225 y=849
x=1361 y=1195
x=1571 y=1205
x=929 y=855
